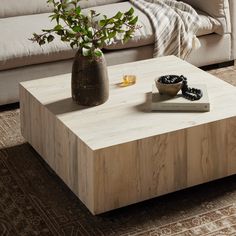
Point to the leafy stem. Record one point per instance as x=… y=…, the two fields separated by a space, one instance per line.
x=87 y=32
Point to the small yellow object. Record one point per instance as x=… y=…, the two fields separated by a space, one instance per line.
x=128 y=80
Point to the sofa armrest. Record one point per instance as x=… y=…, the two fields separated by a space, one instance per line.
x=218 y=9
x=232 y=4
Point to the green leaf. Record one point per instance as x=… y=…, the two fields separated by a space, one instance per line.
x=88 y=45
x=60 y=32
x=57 y=27
x=78 y=10
x=76 y=28
x=111 y=34
x=41 y=42
x=86 y=39
x=53 y=17
x=48 y=31
x=90 y=32
x=50 y=38
x=111 y=21
x=86 y=52
x=133 y=21
x=130 y=12
x=59 y=7
x=72 y=44
x=118 y=15
x=102 y=39
x=98 y=53
x=92 y=12
x=64 y=39
x=102 y=22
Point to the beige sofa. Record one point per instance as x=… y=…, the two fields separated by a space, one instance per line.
x=22 y=60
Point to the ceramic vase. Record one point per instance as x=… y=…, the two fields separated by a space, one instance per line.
x=89 y=80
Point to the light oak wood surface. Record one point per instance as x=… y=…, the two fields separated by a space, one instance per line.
x=120 y=152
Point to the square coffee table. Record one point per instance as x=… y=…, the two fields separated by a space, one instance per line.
x=121 y=152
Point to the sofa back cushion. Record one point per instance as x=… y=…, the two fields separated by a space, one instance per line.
x=10 y=8
x=94 y=3
x=214 y=8
x=218 y=9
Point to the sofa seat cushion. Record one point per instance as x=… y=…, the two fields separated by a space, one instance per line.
x=16 y=50
x=145 y=34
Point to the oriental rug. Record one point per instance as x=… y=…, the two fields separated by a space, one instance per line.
x=34 y=201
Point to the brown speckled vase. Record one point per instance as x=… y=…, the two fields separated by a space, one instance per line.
x=89 y=81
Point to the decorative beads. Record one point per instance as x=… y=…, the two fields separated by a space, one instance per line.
x=192 y=94
x=170 y=79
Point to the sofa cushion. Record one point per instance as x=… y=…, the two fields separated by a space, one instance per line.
x=10 y=8
x=16 y=50
x=217 y=8
x=145 y=34
x=93 y=3
x=208 y=24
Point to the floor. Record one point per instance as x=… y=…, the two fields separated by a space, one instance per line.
x=226 y=73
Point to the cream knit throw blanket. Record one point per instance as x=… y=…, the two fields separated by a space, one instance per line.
x=175 y=24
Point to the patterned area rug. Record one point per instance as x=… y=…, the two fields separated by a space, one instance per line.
x=34 y=201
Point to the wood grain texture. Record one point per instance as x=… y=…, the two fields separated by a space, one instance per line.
x=120 y=152
x=64 y=152
x=165 y=163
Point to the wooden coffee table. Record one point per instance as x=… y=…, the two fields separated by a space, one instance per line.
x=120 y=152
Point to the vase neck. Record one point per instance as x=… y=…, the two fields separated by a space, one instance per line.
x=100 y=59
